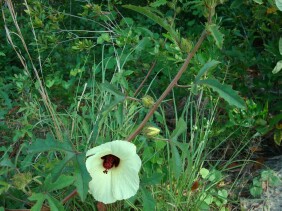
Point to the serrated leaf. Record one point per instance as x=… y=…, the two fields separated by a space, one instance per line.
x=277 y=68
x=279 y=4
x=225 y=91
x=176 y=161
x=149 y=12
x=39 y=198
x=148 y=200
x=208 y=66
x=82 y=177
x=217 y=35
x=54 y=204
x=181 y=127
x=49 y=144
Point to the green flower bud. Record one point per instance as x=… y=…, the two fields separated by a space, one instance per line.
x=147 y=101
x=21 y=180
x=151 y=131
x=186 y=45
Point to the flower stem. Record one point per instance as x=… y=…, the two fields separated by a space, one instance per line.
x=170 y=86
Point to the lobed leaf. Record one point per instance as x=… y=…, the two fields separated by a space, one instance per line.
x=217 y=35
x=225 y=91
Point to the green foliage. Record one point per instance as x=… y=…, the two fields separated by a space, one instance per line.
x=224 y=91
x=72 y=85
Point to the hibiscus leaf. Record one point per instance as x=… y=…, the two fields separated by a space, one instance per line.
x=82 y=177
x=217 y=35
x=148 y=200
x=49 y=144
x=58 y=168
x=54 y=204
x=62 y=182
x=39 y=198
x=225 y=91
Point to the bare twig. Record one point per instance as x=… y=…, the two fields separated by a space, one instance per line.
x=142 y=83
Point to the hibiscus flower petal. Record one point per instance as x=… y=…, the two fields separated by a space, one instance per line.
x=125 y=180
x=122 y=149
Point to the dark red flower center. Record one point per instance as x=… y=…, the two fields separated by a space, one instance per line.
x=109 y=162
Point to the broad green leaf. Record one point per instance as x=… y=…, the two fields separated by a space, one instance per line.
x=258 y=1
x=147 y=11
x=208 y=66
x=181 y=127
x=148 y=200
x=54 y=204
x=62 y=182
x=39 y=198
x=57 y=170
x=49 y=144
x=277 y=68
x=225 y=91
x=176 y=161
x=217 y=35
x=280 y=45
x=279 y=4
x=158 y=3
x=106 y=86
x=82 y=177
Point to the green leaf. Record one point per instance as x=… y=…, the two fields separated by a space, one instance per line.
x=62 y=182
x=217 y=35
x=279 y=4
x=57 y=170
x=49 y=144
x=158 y=3
x=204 y=172
x=225 y=91
x=147 y=11
x=39 y=198
x=148 y=200
x=208 y=66
x=176 y=161
x=153 y=180
x=258 y=1
x=6 y=161
x=256 y=191
x=54 y=204
x=106 y=86
x=181 y=127
x=82 y=177
x=277 y=68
